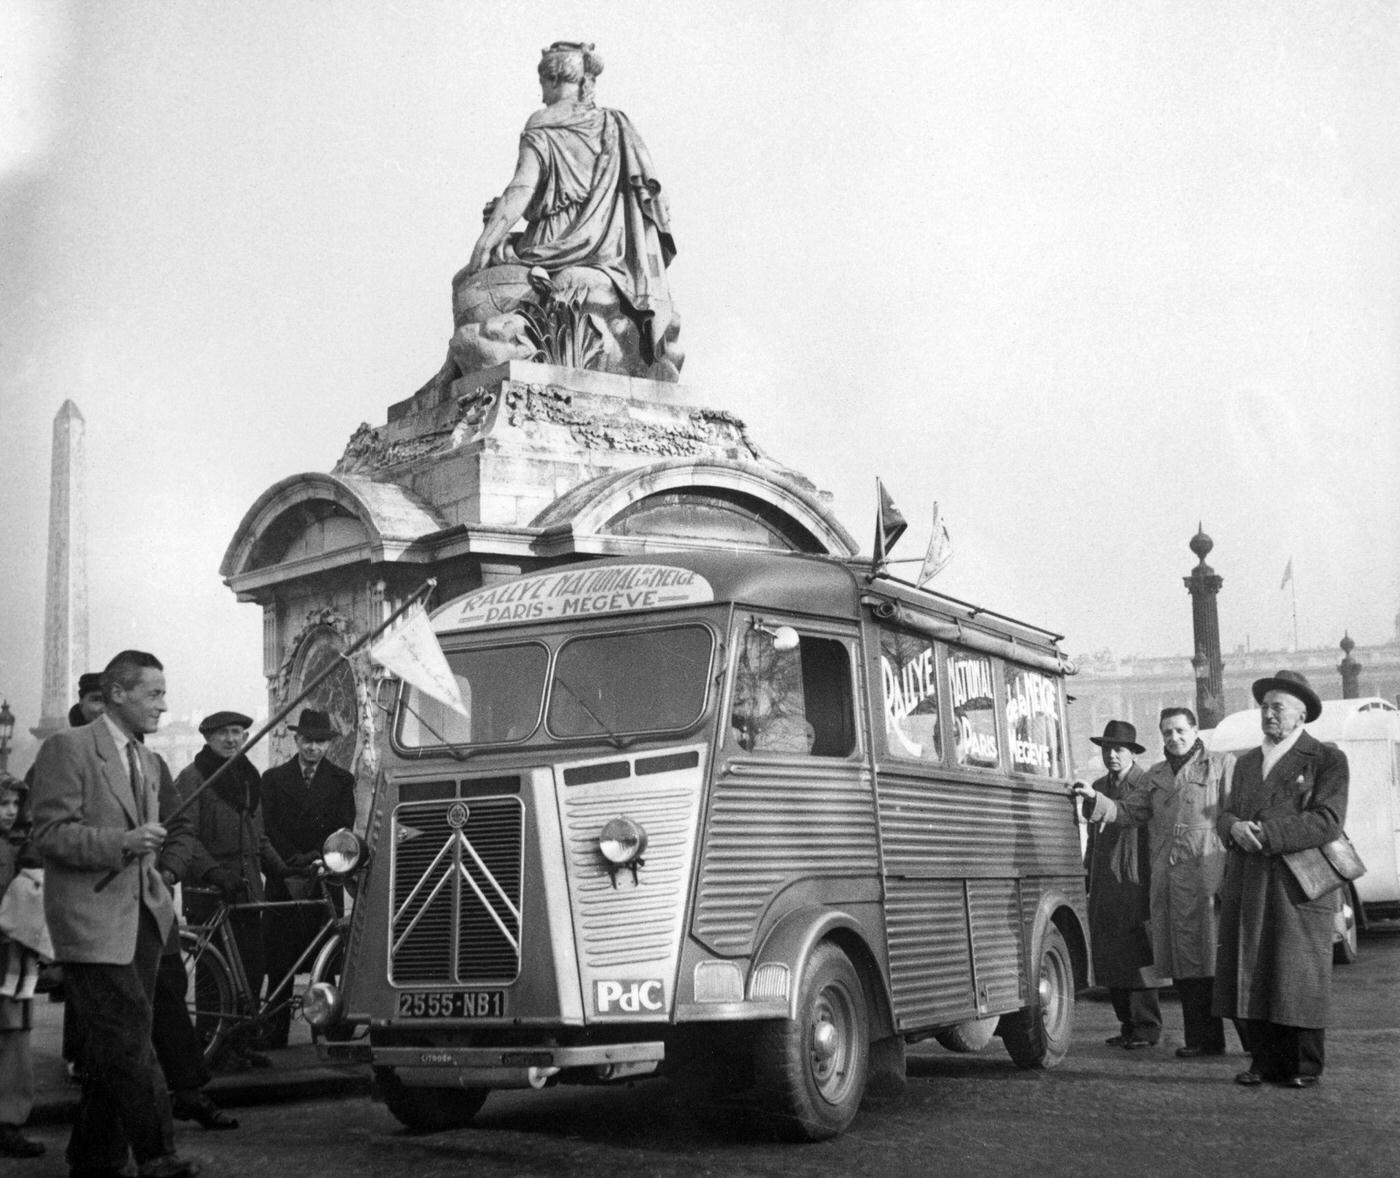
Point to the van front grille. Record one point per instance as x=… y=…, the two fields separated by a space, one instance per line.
x=456 y=892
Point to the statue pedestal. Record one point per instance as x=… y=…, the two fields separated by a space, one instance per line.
x=503 y=445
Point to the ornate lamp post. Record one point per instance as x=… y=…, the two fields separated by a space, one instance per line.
x=7 y=730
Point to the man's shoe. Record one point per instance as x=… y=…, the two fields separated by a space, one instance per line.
x=1301 y=1082
x=169 y=1166
x=1133 y=1042
x=198 y=1107
x=1249 y=1079
x=1116 y=1040
x=255 y=1059
x=1198 y=1052
x=14 y=1144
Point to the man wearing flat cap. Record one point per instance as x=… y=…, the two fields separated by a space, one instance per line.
x=307 y=799
x=1119 y=862
x=1274 y=969
x=233 y=848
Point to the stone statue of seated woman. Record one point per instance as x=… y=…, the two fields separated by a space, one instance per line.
x=584 y=284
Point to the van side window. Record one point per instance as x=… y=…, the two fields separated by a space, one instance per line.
x=792 y=701
x=909 y=676
x=1033 y=723
x=974 y=708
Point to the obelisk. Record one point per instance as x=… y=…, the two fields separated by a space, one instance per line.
x=65 y=597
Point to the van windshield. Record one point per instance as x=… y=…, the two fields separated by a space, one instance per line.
x=602 y=685
x=650 y=681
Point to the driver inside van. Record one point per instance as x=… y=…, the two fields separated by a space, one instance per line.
x=760 y=722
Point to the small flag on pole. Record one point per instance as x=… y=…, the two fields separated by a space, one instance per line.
x=1287 y=574
x=890 y=525
x=412 y=652
x=940 y=549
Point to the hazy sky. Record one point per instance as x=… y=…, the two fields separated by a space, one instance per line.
x=1083 y=272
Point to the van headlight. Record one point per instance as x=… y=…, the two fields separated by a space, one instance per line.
x=622 y=841
x=343 y=851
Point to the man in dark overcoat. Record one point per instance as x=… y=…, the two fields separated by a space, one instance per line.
x=1274 y=966
x=305 y=800
x=1119 y=862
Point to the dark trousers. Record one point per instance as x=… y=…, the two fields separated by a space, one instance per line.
x=177 y=1046
x=1139 y=1013
x=1281 y=1052
x=1202 y=1029
x=124 y=1102
x=289 y=932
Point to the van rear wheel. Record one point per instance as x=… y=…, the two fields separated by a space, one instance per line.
x=1038 y=1035
x=428 y=1110
x=811 y=1070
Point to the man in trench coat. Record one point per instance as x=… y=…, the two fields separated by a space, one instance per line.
x=1119 y=864
x=1274 y=967
x=1179 y=801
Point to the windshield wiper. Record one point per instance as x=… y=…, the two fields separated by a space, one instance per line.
x=618 y=742
x=459 y=753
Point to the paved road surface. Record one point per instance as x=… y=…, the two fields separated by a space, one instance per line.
x=1105 y=1111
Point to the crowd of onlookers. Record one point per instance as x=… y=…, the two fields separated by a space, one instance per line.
x=1199 y=877
x=93 y=844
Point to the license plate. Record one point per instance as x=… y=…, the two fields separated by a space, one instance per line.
x=452 y=1003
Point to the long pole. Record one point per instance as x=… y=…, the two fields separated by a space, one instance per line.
x=1293 y=593
x=422 y=591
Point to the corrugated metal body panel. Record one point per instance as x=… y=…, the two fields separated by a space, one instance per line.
x=996 y=942
x=632 y=931
x=769 y=825
x=961 y=828
x=456 y=892
x=930 y=967
x=940 y=837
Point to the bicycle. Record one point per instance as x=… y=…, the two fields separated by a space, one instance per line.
x=221 y=1003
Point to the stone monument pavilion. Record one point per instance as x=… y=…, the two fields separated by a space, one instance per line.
x=556 y=429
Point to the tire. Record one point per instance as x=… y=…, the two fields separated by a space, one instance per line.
x=970 y=1036
x=811 y=1070
x=1346 y=944
x=1038 y=1035
x=428 y=1110
x=329 y=966
x=209 y=995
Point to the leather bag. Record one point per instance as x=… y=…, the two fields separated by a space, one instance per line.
x=1320 y=870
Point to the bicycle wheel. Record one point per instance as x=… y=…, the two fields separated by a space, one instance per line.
x=209 y=994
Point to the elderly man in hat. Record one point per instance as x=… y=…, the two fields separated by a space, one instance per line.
x=307 y=798
x=233 y=848
x=1274 y=969
x=1179 y=802
x=1118 y=860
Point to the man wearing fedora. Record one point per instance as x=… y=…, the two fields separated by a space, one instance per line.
x=1274 y=968
x=307 y=798
x=1179 y=802
x=1118 y=860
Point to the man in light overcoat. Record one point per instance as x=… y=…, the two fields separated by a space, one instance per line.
x=1179 y=801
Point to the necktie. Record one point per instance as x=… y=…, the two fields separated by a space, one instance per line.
x=138 y=783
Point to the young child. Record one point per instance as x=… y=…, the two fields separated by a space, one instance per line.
x=16 y=1070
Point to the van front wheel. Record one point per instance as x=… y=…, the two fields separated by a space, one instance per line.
x=811 y=1070
x=428 y=1110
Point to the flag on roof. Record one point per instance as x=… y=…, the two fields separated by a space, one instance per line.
x=940 y=549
